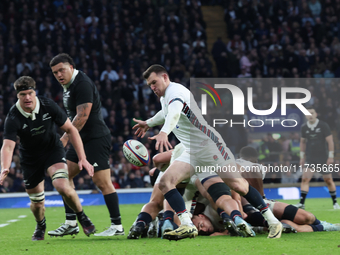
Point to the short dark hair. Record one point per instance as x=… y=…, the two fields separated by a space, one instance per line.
x=62 y=58
x=24 y=83
x=311 y=107
x=154 y=69
x=248 y=153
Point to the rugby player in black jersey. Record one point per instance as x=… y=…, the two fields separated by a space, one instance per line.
x=82 y=103
x=316 y=154
x=32 y=118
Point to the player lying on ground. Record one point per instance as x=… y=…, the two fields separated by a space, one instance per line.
x=301 y=220
x=212 y=186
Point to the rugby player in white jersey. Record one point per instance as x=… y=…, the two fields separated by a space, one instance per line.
x=204 y=147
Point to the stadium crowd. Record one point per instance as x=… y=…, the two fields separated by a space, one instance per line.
x=113 y=42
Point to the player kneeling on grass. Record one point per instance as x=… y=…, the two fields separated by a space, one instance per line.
x=32 y=118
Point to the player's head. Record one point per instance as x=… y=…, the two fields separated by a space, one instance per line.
x=249 y=153
x=311 y=118
x=203 y=224
x=62 y=67
x=157 y=78
x=25 y=87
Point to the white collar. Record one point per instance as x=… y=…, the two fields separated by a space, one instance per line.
x=312 y=126
x=75 y=72
x=27 y=114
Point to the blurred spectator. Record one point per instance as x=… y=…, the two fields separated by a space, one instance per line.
x=134 y=180
x=81 y=185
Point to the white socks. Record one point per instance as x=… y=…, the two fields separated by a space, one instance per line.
x=270 y=218
x=72 y=223
x=185 y=219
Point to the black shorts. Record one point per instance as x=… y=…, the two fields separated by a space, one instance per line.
x=97 y=152
x=34 y=168
x=313 y=163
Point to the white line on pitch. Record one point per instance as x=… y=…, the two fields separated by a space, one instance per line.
x=13 y=220
x=3 y=225
x=22 y=216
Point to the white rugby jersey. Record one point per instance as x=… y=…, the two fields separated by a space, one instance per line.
x=245 y=164
x=215 y=219
x=192 y=130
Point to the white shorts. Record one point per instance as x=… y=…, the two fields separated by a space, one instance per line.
x=178 y=150
x=208 y=161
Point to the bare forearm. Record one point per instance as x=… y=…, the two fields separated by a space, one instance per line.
x=75 y=139
x=6 y=158
x=79 y=121
x=7 y=153
x=303 y=146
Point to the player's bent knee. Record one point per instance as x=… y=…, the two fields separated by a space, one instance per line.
x=239 y=188
x=310 y=218
x=305 y=180
x=217 y=190
x=37 y=197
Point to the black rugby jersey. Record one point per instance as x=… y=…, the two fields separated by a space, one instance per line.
x=81 y=91
x=316 y=145
x=36 y=136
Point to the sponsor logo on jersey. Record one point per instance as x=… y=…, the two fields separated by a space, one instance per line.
x=95 y=164
x=215 y=157
x=318 y=130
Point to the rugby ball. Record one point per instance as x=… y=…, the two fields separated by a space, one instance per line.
x=136 y=153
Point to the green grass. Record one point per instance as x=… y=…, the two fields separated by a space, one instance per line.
x=16 y=237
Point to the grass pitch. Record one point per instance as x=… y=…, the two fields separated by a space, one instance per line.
x=15 y=238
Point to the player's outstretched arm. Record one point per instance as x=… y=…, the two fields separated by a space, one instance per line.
x=141 y=127
x=6 y=158
x=77 y=143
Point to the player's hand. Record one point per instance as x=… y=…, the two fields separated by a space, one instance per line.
x=141 y=127
x=330 y=161
x=224 y=233
x=83 y=163
x=161 y=141
x=3 y=175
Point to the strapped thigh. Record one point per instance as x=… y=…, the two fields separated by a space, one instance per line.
x=60 y=174
x=37 y=197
